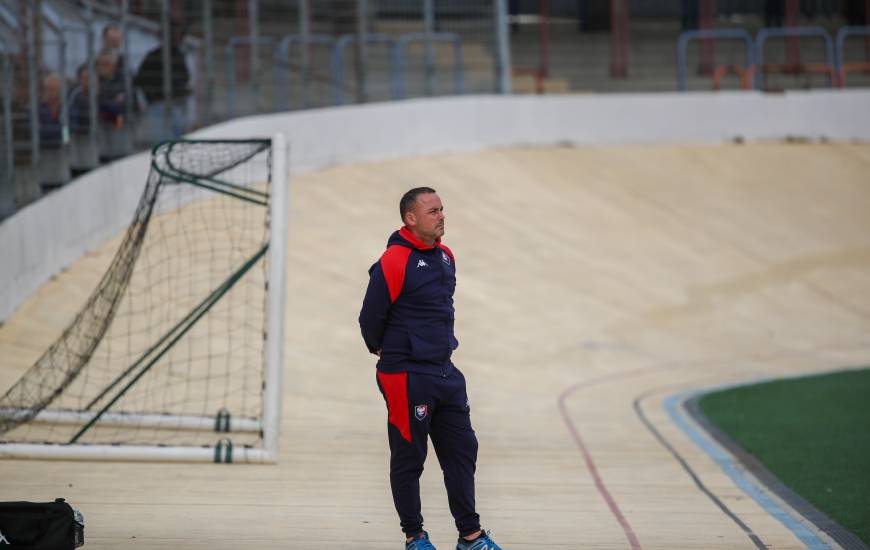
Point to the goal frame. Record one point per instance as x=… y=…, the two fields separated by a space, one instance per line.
x=223 y=452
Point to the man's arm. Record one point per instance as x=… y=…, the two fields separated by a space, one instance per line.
x=375 y=308
x=386 y=278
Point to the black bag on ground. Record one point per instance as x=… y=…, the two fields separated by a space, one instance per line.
x=40 y=526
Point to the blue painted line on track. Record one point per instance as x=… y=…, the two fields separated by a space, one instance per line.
x=730 y=467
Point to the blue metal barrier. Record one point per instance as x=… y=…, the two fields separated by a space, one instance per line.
x=444 y=37
x=283 y=64
x=704 y=34
x=842 y=35
x=338 y=84
x=779 y=32
x=230 y=55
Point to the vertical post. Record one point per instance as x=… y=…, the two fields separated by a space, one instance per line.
x=502 y=48
x=543 y=71
x=127 y=75
x=305 y=52
x=254 y=31
x=544 y=42
x=32 y=84
x=165 y=23
x=208 y=60
x=361 y=53
x=867 y=22
x=618 y=38
x=278 y=211
x=64 y=106
x=429 y=62
x=706 y=22
x=792 y=47
x=230 y=79
x=241 y=26
x=6 y=74
x=92 y=77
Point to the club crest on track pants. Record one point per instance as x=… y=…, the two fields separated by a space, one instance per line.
x=421 y=406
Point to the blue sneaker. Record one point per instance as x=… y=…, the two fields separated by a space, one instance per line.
x=483 y=542
x=420 y=543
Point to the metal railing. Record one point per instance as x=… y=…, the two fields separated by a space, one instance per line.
x=399 y=63
x=755 y=66
x=337 y=59
x=230 y=67
x=284 y=66
x=321 y=62
x=767 y=33
x=843 y=68
x=710 y=34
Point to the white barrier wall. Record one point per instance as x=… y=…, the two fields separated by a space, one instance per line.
x=44 y=237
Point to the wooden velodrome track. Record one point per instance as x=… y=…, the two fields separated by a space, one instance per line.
x=589 y=280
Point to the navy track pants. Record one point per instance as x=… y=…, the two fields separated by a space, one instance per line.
x=422 y=406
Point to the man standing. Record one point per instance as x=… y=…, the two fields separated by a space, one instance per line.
x=407 y=321
x=113 y=41
x=149 y=78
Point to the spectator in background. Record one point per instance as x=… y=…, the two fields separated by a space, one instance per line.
x=84 y=153
x=53 y=169
x=113 y=41
x=111 y=100
x=110 y=91
x=149 y=79
x=79 y=104
x=50 y=124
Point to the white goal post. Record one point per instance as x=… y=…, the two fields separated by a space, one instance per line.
x=178 y=353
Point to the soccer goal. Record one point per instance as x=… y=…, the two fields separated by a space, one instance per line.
x=177 y=353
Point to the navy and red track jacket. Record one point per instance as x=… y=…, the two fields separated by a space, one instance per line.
x=407 y=312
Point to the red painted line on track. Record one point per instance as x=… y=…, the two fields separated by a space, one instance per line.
x=590 y=464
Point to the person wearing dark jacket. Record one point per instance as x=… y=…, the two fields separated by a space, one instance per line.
x=159 y=124
x=407 y=321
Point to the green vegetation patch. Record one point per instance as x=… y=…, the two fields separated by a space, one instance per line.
x=812 y=433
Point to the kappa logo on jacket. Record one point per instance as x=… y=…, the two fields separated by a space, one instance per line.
x=4 y=540
x=410 y=290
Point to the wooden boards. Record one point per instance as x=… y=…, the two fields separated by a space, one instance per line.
x=592 y=283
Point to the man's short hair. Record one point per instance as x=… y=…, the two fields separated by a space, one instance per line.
x=409 y=198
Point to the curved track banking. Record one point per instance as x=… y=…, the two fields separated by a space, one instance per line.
x=600 y=484
x=621 y=270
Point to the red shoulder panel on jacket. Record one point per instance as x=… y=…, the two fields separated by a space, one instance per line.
x=393 y=263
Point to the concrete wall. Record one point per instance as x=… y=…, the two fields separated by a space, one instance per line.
x=44 y=237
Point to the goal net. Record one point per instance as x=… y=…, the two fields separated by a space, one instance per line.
x=176 y=354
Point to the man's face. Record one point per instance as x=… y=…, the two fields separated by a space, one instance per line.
x=426 y=217
x=51 y=90
x=113 y=38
